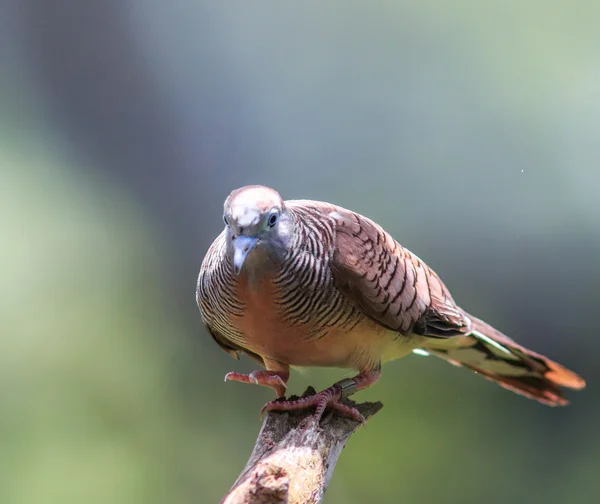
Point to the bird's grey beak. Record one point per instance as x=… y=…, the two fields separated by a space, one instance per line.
x=242 y=245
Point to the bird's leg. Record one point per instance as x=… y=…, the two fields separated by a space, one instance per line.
x=275 y=376
x=330 y=397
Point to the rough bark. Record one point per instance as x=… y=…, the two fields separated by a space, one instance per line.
x=294 y=458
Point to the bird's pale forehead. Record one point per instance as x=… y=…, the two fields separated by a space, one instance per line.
x=247 y=205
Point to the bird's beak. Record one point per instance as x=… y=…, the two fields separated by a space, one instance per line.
x=242 y=245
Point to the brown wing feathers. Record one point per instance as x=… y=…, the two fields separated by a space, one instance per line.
x=394 y=287
x=389 y=283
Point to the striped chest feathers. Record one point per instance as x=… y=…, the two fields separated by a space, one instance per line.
x=300 y=323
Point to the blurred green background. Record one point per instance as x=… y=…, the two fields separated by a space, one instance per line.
x=470 y=130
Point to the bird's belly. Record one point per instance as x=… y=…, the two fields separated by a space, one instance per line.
x=269 y=336
x=361 y=344
x=365 y=345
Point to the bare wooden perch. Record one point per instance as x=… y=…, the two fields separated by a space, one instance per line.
x=293 y=458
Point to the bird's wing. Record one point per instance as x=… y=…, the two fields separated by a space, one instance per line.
x=232 y=349
x=389 y=283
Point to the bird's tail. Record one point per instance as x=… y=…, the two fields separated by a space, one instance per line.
x=496 y=357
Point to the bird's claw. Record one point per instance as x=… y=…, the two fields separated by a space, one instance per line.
x=328 y=398
x=272 y=380
x=262 y=377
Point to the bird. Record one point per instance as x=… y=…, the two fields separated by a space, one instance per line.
x=301 y=283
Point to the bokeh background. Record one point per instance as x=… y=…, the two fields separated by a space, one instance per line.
x=470 y=130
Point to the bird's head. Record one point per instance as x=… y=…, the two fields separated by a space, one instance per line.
x=257 y=226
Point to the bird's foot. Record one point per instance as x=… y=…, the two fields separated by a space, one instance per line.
x=271 y=379
x=328 y=398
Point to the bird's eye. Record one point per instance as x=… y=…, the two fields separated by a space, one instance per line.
x=273 y=219
x=225 y=220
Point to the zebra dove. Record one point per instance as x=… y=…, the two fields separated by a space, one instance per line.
x=307 y=283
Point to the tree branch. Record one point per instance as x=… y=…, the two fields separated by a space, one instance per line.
x=293 y=458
